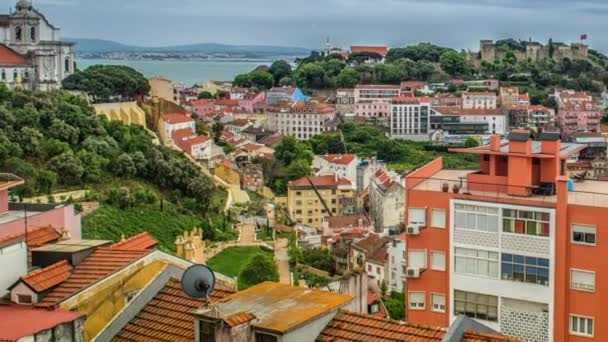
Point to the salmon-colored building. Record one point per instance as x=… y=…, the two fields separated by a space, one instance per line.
x=515 y=245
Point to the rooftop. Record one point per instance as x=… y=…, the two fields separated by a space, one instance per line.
x=167 y=317
x=353 y=327
x=9 y=180
x=239 y=123
x=347 y=221
x=371 y=243
x=48 y=277
x=566 y=150
x=342 y=159
x=381 y=50
x=9 y=57
x=175 y=118
x=319 y=181
x=36 y=237
x=279 y=308
x=18 y=321
x=475 y=336
x=452 y=110
x=71 y=246
x=137 y=242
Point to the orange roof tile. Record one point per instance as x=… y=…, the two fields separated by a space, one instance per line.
x=239 y=318
x=347 y=221
x=182 y=134
x=353 y=327
x=48 y=277
x=342 y=159
x=10 y=57
x=381 y=50
x=36 y=237
x=329 y=180
x=374 y=297
x=167 y=317
x=174 y=118
x=239 y=123
x=474 y=336
x=100 y=264
x=19 y=321
x=137 y=242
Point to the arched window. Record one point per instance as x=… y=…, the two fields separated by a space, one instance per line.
x=67 y=64
x=18 y=33
x=33 y=34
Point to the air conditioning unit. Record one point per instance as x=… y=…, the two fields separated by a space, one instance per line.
x=413 y=272
x=413 y=230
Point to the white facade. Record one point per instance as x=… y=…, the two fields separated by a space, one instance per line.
x=202 y=151
x=410 y=119
x=325 y=167
x=28 y=32
x=13 y=258
x=386 y=200
x=396 y=263
x=511 y=273
x=497 y=123
x=479 y=100
x=169 y=128
x=303 y=126
x=376 y=273
x=370 y=93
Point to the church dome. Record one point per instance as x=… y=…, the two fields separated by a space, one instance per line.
x=24 y=5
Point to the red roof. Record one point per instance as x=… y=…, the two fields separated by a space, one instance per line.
x=239 y=318
x=9 y=57
x=36 y=237
x=320 y=181
x=538 y=108
x=167 y=317
x=410 y=99
x=48 y=277
x=353 y=327
x=239 y=123
x=449 y=110
x=381 y=50
x=227 y=102
x=201 y=102
x=342 y=159
x=474 y=336
x=373 y=297
x=524 y=97
x=479 y=93
x=103 y=262
x=182 y=134
x=137 y=242
x=18 y=321
x=199 y=139
x=174 y=118
x=347 y=221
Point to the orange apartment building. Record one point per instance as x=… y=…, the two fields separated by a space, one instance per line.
x=515 y=245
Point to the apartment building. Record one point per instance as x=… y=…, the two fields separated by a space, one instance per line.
x=540 y=116
x=171 y=122
x=396 y=265
x=342 y=165
x=304 y=200
x=479 y=100
x=386 y=194
x=493 y=121
x=345 y=101
x=302 y=120
x=410 y=117
x=373 y=100
x=509 y=96
x=579 y=116
x=514 y=245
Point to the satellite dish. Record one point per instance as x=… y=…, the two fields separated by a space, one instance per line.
x=198 y=281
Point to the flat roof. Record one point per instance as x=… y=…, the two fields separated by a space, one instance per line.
x=280 y=308
x=566 y=150
x=14 y=215
x=69 y=246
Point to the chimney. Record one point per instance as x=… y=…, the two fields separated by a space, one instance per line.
x=495 y=143
x=550 y=143
x=520 y=141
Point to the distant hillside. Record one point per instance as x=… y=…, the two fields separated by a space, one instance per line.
x=99 y=46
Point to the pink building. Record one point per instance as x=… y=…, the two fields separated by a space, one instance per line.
x=577 y=116
x=203 y=107
x=373 y=100
x=250 y=100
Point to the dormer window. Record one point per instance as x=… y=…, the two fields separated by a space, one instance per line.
x=18 y=33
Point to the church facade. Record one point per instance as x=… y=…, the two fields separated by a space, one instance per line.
x=31 y=54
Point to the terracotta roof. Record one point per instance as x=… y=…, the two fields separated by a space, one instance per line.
x=380 y=256
x=353 y=327
x=227 y=102
x=48 y=277
x=410 y=99
x=381 y=50
x=201 y=102
x=10 y=57
x=478 y=93
x=239 y=123
x=538 y=108
x=342 y=159
x=18 y=321
x=139 y=242
x=474 y=336
x=374 y=297
x=320 y=181
x=36 y=237
x=371 y=242
x=100 y=264
x=167 y=317
x=199 y=139
x=271 y=140
x=524 y=97
x=174 y=118
x=239 y=318
x=449 y=110
x=347 y=221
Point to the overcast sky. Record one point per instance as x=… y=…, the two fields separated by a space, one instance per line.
x=306 y=23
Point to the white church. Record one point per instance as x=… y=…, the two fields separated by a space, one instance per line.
x=31 y=54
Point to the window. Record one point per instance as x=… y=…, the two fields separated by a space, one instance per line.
x=67 y=65
x=525 y=222
x=476 y=262
x=476 y=305
x=18 y=33
x=583 y=234
x=260 y=337
x=416 y=258
x=438 y=302
x=416 y=300
x=206 y=331
x=24 y=299
x=525 y=269
x=582 y=326
x=369 y=268
x=438 y=218
x=378 y=270
x=33 y=34
x=417 y=217
x=438 y=261
x=475 y=217
x=374 y=308
x=582 y=280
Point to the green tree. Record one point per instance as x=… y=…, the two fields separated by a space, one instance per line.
x=388 y=74
x=124 y=166
x=453 y=63
x=205 y=95
x=395 y=305
x=471 y=142
x=105 y=81
x=348 y=78
x=243 y=81
x=261 y=268
x=311 y=76
x=69 y=167
x=45 y=180
x=279 y=70
x=261 y=79
x=291 y=149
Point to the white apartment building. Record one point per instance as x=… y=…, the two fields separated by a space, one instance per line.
x=302 y=120
x=410 y=118
x=343 y=165
x=479 y=100
x=371 y=92
x=396 y=264
x=496 y=120
x=386 y=193
x=172 y=122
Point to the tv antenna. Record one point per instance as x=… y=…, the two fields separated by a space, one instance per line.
x=198 y=281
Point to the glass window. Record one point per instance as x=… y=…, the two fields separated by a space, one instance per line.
x=476 y=305
x=525 y=222
x=417 y=217
x=580 y=325
x=438 y=302
x=438 y=261
x=476 y=262
x=416 y=258
x=416 y=300
x=582 y=280
x=438 y=218
x=583 y=234
x=476 y=218
x=525 y=269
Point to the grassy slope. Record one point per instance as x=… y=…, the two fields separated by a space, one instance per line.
x=233 y=260
x=108 y=223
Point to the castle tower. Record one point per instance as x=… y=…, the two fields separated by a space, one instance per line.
x=190 y=246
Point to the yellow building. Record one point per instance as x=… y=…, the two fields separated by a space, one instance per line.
x=304 y=205
x=162 y=88
x=126 y=112
x=225 y=170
